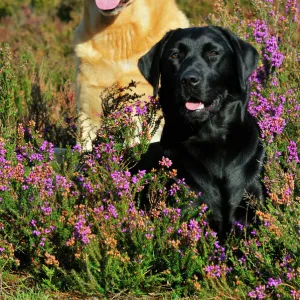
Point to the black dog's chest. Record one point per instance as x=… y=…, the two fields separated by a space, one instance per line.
x=208 y=158
x=196 y=171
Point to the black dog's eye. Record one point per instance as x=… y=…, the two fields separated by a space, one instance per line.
x=175 y=55
x=212 y=54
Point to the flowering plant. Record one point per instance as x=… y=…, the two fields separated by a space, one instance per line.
x=92 y=224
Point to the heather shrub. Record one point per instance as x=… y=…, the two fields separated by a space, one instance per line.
x=9 y=7
x=90 y=224
x=55 y=8
x=8 y=109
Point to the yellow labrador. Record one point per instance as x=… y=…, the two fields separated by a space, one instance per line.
x=111 y=38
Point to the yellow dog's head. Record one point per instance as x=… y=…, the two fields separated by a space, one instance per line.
x=112 y=7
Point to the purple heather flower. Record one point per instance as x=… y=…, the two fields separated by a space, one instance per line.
x=48 y=148
x=295 y=294
x=46 y=231
x=195 y=231
x=274 y=81
x=242 y=260
x=260 y=30
x=258 y=293
x=141 y=110
x=293 y=154
x=88 y=186
x=121 y=181
x=174 y=189
x=193 y=224
x=42 y=242
x=61 y=182
x=165 y=162
x=76 y=148
x=270 y=112
x=170 y=229
x=108 y=147
x=128 y=109
x=204 y=208
x=82 y=230
x=149 y=236
x=213 y=271
x=239 y=225
x=292 y=7
x=44 y=146
x=165 y=212
x=2 y=153
x=272 y=52
x=36 y=157
x=141 y=173
x=112 y=211
x=47 y=210
x=216 y=244
x=48 y=185
x=3 y=188
x=134 y=180
x=99 y=210
x=274 y=282
x=291 y=274
x=33 y=223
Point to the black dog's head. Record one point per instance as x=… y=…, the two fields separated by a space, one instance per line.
x=201 y=69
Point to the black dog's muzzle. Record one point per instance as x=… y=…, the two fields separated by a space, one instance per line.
x=189 y=79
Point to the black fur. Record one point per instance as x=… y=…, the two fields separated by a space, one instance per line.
x=215 y=148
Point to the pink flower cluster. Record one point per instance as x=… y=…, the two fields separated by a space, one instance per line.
x=269 y=109
x=165 y=162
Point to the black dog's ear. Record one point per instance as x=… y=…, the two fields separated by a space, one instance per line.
x=149 y=64
x=246 y=56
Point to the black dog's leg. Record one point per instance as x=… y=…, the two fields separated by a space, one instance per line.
x=245 y=212
x=213 y=198
x=256 y=190
x=235 y=207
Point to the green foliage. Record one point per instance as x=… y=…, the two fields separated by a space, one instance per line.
x=196 y=11
x=45 y=4
x=30 y=295
x=9 y=7
x=8 y=110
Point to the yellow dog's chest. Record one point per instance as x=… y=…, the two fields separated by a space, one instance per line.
x=106 y=73
x=111 y=58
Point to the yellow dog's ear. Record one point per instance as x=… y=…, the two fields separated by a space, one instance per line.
x=149 y=64
x=246 y=56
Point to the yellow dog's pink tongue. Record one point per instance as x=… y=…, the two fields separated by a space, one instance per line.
x=194 y=106
x=107 y=4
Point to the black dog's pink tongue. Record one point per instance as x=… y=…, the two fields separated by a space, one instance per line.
x=194 y=106
x=107 y=4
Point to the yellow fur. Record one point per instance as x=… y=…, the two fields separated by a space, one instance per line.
x=108 y=48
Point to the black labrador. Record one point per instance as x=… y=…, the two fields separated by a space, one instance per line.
x=209 y=135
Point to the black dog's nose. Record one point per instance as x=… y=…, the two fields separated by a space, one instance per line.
x=190 y=79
